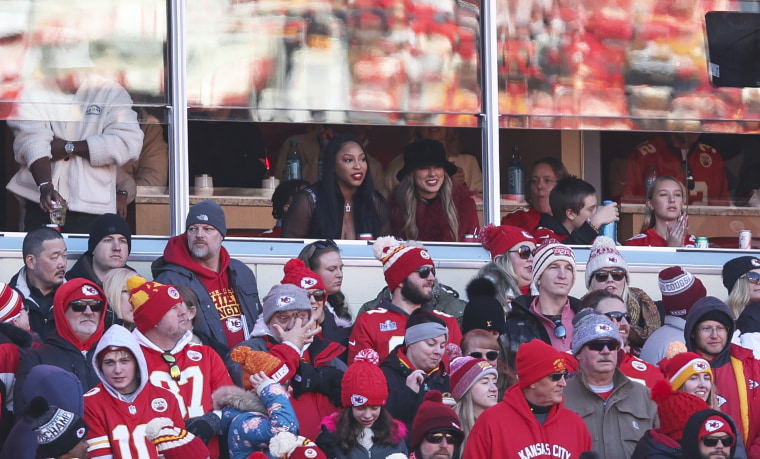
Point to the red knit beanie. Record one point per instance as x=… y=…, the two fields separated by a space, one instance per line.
x=465 y=372
x=298 y=274
x=364 y=382
x=680 y=290
x=679 y=368
x=499 y=239
x=713 y=425
x=432 y=416
x=10 y=303
x=150 y=301
x=399 y=261
x=674 y=408
x=535 y=360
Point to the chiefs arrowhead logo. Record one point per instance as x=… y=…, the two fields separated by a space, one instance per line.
x=753 y=384
x=755 y=262
x=613 y=260
x=603 y=328
x=173 y=293
x=721 y=400
x=700 y=366
x=285 y=300
x=713 y=425
x=89 y=290
x=308 y=282
x=358 y=400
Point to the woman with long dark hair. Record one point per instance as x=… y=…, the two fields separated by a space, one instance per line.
x=364 y=429
x=344 y=204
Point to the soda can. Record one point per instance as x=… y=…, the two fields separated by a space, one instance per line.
x=469 y=238
x=610 y=229
x=702 y=243
x=745 y=239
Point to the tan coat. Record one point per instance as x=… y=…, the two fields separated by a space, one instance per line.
x=618 y=423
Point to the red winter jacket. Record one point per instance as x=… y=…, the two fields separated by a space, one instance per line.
x=510 y=428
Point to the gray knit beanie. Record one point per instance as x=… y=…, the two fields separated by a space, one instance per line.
x=592 y=326
x=208 y=213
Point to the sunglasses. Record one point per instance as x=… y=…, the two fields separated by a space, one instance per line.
x=557 y=376
x=490 y=355
x=726 y=441
x=559 y=330
x=174 y=370
x=81 y=305
x=425 y=271
x=436 y=438
x=753 y=278
x=523 y=252
x=318 y=295
x=618 y=316
x=600 y=344
x=602 y=275
x=327 y=243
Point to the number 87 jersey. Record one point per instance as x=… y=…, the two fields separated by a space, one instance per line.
x=192 y=372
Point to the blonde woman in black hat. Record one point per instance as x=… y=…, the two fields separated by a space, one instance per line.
x=741 y=277
x=427 y=206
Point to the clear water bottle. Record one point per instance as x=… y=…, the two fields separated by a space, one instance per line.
x=610 y=229
x=515 y=177
x=649 y=177
x=293 y=162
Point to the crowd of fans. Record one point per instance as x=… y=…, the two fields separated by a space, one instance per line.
x=195 y=364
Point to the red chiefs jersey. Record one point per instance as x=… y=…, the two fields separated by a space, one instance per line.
x=117 y=428
x=382 y=329
x=706 y=164
x=526 y=218
x=650 y=238
x=202 y=372
x=638 y=370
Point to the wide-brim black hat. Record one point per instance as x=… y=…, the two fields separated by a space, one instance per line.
x=425 y=153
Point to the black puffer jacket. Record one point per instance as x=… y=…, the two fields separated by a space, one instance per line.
x=403 y=402
x=58 y=352
x=523 y=326
x=649 y=448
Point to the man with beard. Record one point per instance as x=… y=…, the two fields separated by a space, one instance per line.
x=616 y=410
x=710 y=434
x=44 y=252
x=410 y=274
x=228 y=299
x=78 y=308
x=192 y=372
x=437 y=432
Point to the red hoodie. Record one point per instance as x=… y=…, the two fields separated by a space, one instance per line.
x=217 y=285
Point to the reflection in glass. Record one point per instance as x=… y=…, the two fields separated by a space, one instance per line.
x=368 y=62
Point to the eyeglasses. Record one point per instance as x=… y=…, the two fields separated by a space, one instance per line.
x=490 y=355
x=318 y=295
x=174 y=370
x=81 y=305
x=599 y=345
x=557 y=376
x=726 y=441
x=327 y=243
x=436 y=438
x=710 y=330
x=602 y=275
x=523 y=252
x=559 y=330
x=425 y=271
x=752 y=277
x=618 y=316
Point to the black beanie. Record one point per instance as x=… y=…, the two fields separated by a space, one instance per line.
x=58 y=431
x=208 y=213
x=736 y=268
x=483 y=311
x=108 y=224
x=718 y=316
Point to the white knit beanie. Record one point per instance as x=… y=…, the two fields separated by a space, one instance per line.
x=604 y=254
x=549 y=252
